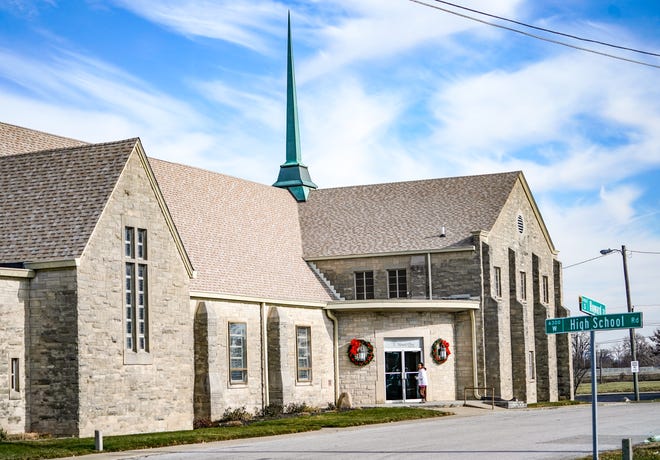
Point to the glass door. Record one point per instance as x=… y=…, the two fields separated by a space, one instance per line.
x=401 y=359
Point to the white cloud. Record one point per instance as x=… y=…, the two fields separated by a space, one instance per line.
x=241 y=22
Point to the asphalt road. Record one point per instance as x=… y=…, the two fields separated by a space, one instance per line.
x=554 y=433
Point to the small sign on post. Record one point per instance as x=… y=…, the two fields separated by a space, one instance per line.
x=591 y=307
x=634 y=366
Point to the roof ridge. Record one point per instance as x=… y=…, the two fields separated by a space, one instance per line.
x=43 y=132
x=75 y=147
x=418 y=181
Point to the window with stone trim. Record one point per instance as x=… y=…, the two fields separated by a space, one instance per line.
x=532 y=366
x=364 y=285
x=136 y=289
x=238 y=372
x=498 y=282
x=397 y=283
x=304 y=353
x=523 y=286
x=545 y=290
x=14 y=375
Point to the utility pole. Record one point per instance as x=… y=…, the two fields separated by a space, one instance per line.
x=633 y=344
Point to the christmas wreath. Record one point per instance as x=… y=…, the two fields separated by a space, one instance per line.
x=440 y=351
x=360 y=352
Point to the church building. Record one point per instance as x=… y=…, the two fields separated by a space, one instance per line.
x=140 y=295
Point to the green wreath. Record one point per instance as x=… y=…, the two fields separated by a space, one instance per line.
x=436 y=351
x=354 y=352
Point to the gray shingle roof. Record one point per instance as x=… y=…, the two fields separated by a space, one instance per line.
x=50 y=201
x=401 y=216
x=16 y=139
x=243 y=238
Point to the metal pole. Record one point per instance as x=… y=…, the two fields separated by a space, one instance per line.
x=594 y=396
x=633 y=344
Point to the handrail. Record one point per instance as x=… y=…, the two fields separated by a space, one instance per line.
x=492 y=394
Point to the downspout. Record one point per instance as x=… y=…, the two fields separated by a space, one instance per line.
x=475 y=373
x=428 y=259
x=335 y=349
x=264 y=356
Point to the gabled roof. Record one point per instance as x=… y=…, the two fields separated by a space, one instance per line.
x=243 y=238
x=402 y=216
x=50 y=201
x=16 y=139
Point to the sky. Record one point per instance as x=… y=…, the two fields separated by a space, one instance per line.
x=387 y=91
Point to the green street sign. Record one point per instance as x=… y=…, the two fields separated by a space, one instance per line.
x=594 y=323
x=591 y=307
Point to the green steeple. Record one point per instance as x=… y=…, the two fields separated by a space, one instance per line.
x=293 y=174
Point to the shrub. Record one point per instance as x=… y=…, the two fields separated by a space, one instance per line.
x=272 y=410
x=297 y=408
x=203 y=423
x=236 y=415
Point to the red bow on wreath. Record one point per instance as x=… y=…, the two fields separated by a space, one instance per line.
x=355 y=346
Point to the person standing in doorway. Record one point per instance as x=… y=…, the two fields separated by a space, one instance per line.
x=422 y=381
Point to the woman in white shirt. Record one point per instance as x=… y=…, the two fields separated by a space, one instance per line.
x=422 y=381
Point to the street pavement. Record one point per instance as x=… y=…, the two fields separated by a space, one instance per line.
x=473 y=433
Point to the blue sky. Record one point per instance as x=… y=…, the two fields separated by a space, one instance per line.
x=387 y=91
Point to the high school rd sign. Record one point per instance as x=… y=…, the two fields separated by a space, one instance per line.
x=593 y=323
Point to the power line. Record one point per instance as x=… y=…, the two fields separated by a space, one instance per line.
x=549 y=30
x=538 y=37
x=583 y=262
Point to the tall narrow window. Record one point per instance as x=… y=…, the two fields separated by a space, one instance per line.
x=237 y=353
x=532 y=366
x=523 y=286
x=397 y=283
x=304 y=353
x=364 y=285
x=545 y=289
x=15 y=383
x=498 y=282
x=136 y=289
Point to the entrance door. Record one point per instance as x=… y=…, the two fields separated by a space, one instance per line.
x=401 y=359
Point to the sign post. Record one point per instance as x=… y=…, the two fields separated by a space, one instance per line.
x=594 y=397
x=597 y=321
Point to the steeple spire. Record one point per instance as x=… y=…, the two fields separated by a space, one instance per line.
x=293 y=173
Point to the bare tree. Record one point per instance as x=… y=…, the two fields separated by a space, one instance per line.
x=655 y=338
x=581 y=356
x=644 y=351
x=605 y=357
x=619 y=355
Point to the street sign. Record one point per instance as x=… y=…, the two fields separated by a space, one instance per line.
x=634 y=366
x=591 y=307
x=594 y=323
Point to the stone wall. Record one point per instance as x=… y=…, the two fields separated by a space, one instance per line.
x=121 y=391
x=52 y=349
x=452 y=273
x=284 y=387
x=518 y=244
x=367 y=384
x=13 y=305
x=214 y=393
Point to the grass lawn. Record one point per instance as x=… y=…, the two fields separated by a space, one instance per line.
x=619 y=387
x=650 y=451
x=68 y=447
